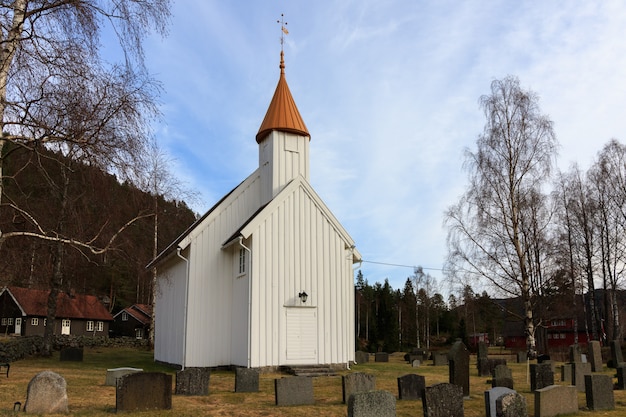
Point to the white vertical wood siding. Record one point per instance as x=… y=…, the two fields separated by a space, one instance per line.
x=297 y=247
x=282 y=158
x=169 y=315
x=209 y=317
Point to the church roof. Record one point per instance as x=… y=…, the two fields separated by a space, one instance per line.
x=282 y=113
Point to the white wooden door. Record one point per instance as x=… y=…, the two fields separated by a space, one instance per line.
x=18 y=325
x=301 y=336
x=65 y=326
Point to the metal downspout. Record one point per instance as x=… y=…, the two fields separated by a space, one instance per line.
x=178 y=250
x=249 y=300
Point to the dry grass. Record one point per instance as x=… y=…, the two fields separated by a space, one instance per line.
x=88 y=396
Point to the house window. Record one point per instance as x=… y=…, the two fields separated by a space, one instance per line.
x=45 y=322
x=124 y=316
x=242 y=261
x=99 y=326
x=90 y=326
x=3 y=322
x=139 y=333
x=10 y=321
x=34 y=321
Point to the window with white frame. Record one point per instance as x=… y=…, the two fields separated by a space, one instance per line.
x=99 y=326
x=34 y=321
x=3 y=322
x=124 y=316
x=90 y=326
x=10 y=321
x=242 y=261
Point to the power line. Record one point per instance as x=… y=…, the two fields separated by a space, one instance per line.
x=401 y=266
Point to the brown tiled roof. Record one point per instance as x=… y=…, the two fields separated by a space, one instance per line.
x=79 y=306
x=282 y=113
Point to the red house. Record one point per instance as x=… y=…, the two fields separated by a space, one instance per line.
x=23 y=312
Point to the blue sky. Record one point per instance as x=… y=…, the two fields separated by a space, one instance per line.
x=389 y=92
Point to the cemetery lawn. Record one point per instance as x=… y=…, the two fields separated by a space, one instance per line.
x=88 y=396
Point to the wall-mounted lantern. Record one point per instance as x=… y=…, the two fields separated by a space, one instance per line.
x=303 y=296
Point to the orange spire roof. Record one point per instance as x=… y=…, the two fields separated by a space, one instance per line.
x=282 y=113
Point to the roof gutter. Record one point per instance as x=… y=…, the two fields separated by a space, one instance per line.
x=249 y=300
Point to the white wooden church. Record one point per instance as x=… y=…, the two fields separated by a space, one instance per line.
x=265 y=278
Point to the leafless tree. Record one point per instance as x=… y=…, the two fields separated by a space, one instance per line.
x=58 y=94
x=490 y=234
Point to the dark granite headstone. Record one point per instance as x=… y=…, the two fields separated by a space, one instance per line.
x=372 y=404
x=575 y=354
x=46 y=394
x=579 y=370
x=599 y=392
x=541 y=375
x=71 y=354
x=595 y=355
x=486 y=366
x=621 y=376
x=502 y=377
x=381 y=357
x=543 y=358
x=440 y=359
x=443 y=400
x=411 y=387
x=361 y=357
x=143 y=391
x=193 y=381
x=522 y=357
x=616 y=354
x=246 y=380
x=566 y=373
x=482 y=350
x=294 y=390
x=511 y=405
x=357 y=382
x=458 y=365
x=490 y=399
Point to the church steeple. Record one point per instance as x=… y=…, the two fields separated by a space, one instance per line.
x=283 y=142
x=282 y=114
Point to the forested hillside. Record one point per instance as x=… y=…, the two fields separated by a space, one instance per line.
x=94 y=207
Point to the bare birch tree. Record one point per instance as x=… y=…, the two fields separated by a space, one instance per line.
x=58 y=94
x=488 y=236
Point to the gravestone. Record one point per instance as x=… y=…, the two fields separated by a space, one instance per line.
x=46 y=394
x=575 y=355
x=143 y=391
x=621 y=376
x=579 y=370
x=411 y=387
x=522 y=357
x=357 y=382
x=71 y=354
x=490 y=399
x=599 y=392
x=556 y=399
x=443 y=400
x=114 y=373
x=458 y=366
x=416 y=363
x=511 y=405
x=193 y=381
x=541 y=375
x=594 y=353
x=294 y=390
x=566 y=373
x=372 y=404
x=616 y=354
x=440 y=359
x=361 y=357
x=381 y=357
x=482 y=350
x=246 y=380
x=487 y=366
x=502 y=377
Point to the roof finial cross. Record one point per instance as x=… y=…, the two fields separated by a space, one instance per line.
x=283 y=29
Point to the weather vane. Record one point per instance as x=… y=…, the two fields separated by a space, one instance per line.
x=283 y=29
